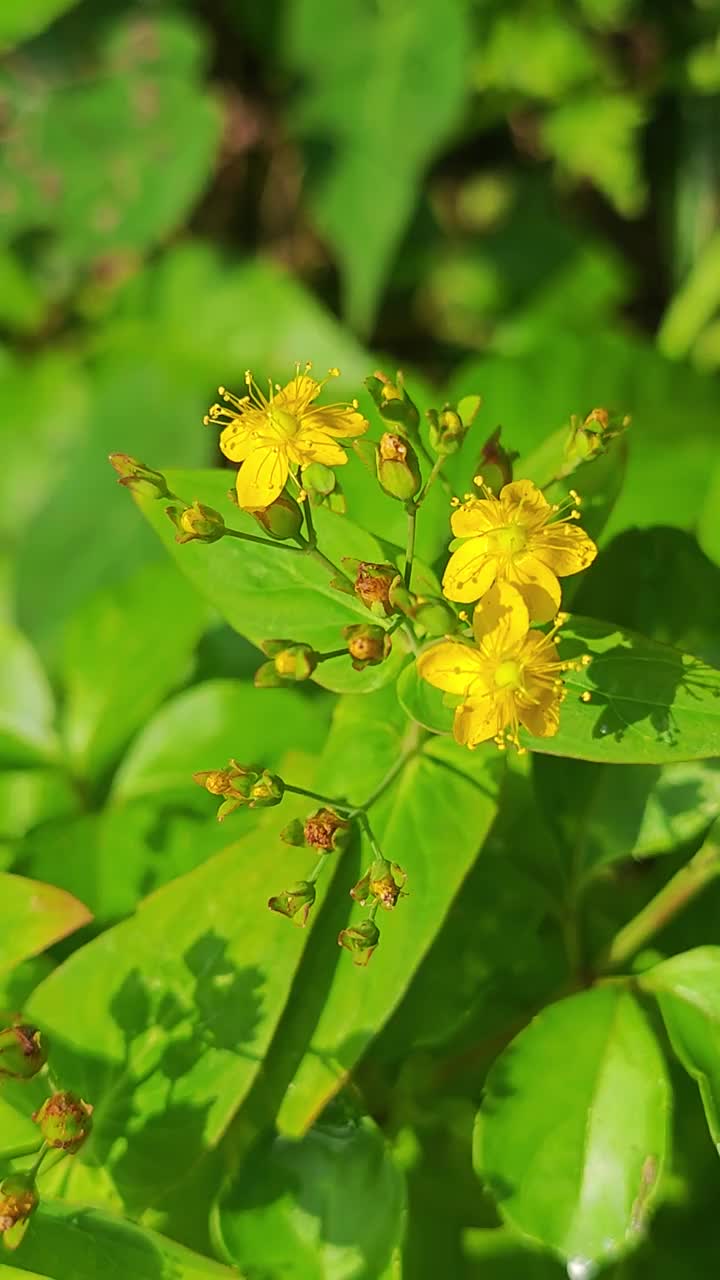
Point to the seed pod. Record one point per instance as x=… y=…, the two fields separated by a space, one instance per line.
x=398 y=470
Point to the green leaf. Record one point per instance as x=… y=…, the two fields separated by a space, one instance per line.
x=444 y=798
x=34 y=916
x=612 y=164
x=694 y=304
x=142 y=85
x=266 y=593
x=144 y=630
x=21 y=19
x=687 y=989
x=33 y=797
x=572 y=1134
x=27 y=706
x=172 y=1012
x=423 y=702
x=66 y=1240
x=327 y=1207
x=206 y=725
x=649 y=703
x=396 y=69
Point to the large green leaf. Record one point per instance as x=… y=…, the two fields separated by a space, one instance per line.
x=572 y=1134
x=648 y=703
x=27 y=706
x=391 y=61
x=172 y=1014
x=21 y=19
x=267 y=593
x=687 y=989
x=444 y=799
x=326 y=1207
x=34 y=915
x=144 y=631
x=81 y=1242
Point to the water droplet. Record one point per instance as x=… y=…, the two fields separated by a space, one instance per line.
x=581 y=1269
x=603 y=729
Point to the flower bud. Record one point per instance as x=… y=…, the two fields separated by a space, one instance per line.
x=18 y=1200
x=139 y=478
x=393 y=401
x=299 y=897
x=291 y=662
x=327 y=831
x=241 y=785
x=294 y=833
x=372 y=584
x=592 y=436
x=318 y=480
x=360 y=940
x=367 y=645
x=65 y=1121
x=282 y=519
x=197 y=523
x=379 y=883
x=398 y=470
x=435 y=617
x=22 y=1052
x=495 y=463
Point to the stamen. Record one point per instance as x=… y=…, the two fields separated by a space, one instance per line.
x=586 y=696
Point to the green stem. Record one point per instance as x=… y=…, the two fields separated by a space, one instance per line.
x=435 y=472
x=320 y=866
x=16 y=1153
x=676 y=894
x=334 y=653
x=315 y=795
x=309 y=523
x=59 y=1157
x=35 y=1169
x=412 y=509
x=263 y=542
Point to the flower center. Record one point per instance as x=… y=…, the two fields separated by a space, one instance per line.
x=510 y=539
x=508 y=675
x=285 y=422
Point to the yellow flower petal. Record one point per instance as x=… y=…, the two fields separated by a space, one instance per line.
x=297 y=395
x=470 y=571
x=541 y=718
x=237 y=442
x=476 y=721
x=524 y=503
x=337 y=420
x=537 y=585
x=565 y=548
x=476 y=516
x=261 y=477
x=453 y=667
x=501 y=621
x=315 y=446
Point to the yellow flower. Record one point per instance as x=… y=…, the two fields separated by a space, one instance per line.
x=519 y=538
x=274 y=436
x=511 y=676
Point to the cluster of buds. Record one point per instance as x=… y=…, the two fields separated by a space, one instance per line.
x=379 y=884
x=138 y=477
x=450 y=425
x=196 y=523
x=241 y=785
x=367 y=645
x=64 y=1121
x=323 y=830
x=591 y=436
x=289 y=663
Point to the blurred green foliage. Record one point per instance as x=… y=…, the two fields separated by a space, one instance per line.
x=512 y=197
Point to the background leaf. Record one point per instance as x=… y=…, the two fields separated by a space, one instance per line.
x=34 y=916
x=27 y=706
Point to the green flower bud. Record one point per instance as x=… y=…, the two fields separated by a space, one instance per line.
x=65 y=1121
x=282 y=519
x=138 y=477
x=22 y=1052
x=296 y=662
x=398 y=470
x=436 y=617
x=360 y=940
x=495 y=463
x=393 y=401
x=379 y=883
x=267 y=791
x=267 y=677
x=318 y=480
x=447 y=430
x=592 y=436
x=197 y=523
x=327 y=831
x=18 y=1200
x=299 y=897
x=294 y=833
x=367 y=645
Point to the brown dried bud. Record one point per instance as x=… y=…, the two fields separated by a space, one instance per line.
x=65 y=1121
x=367 y=645
x=22 y=1052
x=326 y=830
